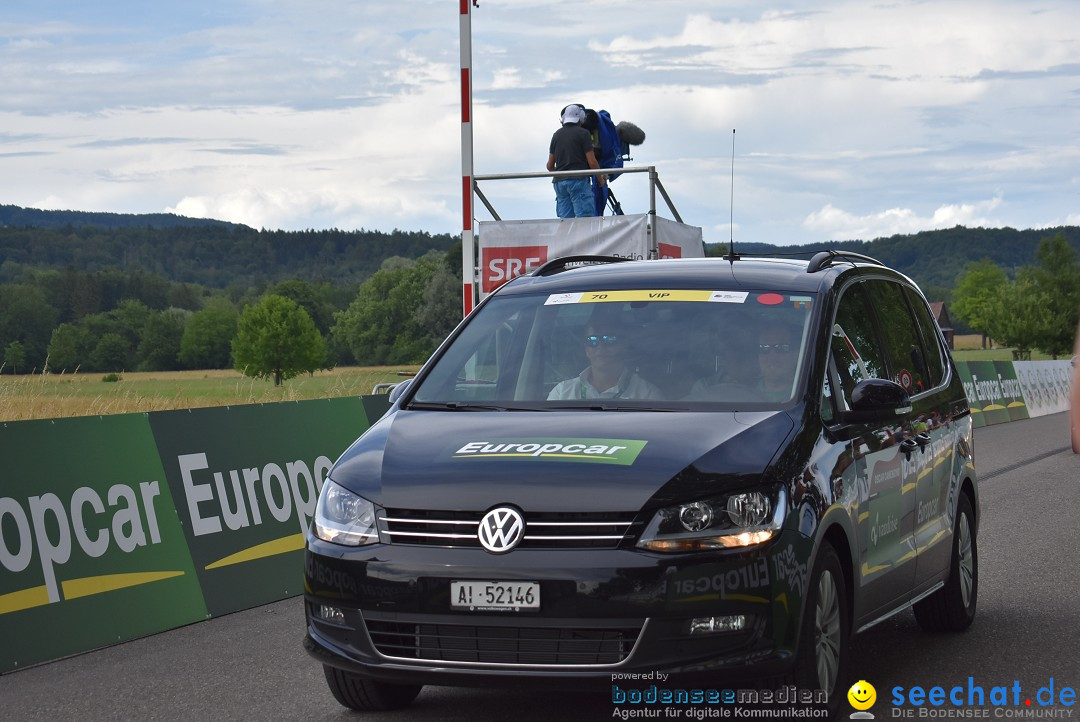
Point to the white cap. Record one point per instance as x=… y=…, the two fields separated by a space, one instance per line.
x=573 y=114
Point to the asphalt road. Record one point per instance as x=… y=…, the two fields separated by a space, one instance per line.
x=250 y=665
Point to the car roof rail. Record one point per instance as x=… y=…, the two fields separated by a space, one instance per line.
x=564 y=263
x=824 y=259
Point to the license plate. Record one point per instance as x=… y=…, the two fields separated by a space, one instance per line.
x=495 y=596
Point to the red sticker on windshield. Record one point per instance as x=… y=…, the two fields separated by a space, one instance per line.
x=770 y=299
x=905 y=379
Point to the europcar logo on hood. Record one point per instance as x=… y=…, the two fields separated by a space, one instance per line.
x=596 y=451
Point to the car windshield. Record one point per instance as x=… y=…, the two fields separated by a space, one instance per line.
x=626 y=349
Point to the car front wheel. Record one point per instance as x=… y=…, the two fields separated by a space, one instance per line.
x=821 y=662
x=952 y=608
x=362 y=694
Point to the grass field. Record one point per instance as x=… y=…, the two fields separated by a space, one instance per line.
x=969 y=348
x=56 y=396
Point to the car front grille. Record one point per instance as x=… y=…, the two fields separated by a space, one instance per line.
x=510 y=645
x=554 y=530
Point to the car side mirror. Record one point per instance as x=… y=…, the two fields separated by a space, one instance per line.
x=397 y=391
x=877 y=400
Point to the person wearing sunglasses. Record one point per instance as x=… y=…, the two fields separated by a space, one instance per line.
x=607 y=376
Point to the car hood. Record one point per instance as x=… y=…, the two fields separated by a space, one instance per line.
x=557 y=461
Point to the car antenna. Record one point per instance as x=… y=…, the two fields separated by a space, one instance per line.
x=732 y=255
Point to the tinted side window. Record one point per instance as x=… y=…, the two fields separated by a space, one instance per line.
x=903 y=343
x=935 y=365
x=855 y=349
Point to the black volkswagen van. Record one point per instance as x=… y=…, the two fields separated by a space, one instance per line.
x=718 y=468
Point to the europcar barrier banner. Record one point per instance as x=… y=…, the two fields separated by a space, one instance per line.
x=993 y=391
x=91 y=548
x=245 y=481
x=116 y=527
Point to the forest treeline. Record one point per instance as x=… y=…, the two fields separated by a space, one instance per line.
x=113 y=292
x=185 y=250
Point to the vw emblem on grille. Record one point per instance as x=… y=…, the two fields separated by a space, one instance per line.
x=501 y=529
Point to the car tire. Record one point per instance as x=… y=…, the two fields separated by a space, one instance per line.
x=362 y=694
x=952 y=608
x=821 y=661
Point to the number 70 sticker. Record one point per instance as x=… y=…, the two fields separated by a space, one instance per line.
x=557 y=299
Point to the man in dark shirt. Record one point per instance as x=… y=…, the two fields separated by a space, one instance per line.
x=571 y=149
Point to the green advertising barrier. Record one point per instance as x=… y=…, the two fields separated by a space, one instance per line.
x=116 y=527
x=993 y=391
x=245 y=480
x=91 y=549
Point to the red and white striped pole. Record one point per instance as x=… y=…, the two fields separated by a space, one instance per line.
x=468 y=252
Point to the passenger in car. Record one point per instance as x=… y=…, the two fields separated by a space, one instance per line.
x=607 y=376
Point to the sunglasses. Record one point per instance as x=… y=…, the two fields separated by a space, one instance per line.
x=774 y=348
x=594 y=340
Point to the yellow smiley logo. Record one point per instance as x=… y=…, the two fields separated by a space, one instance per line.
x=862 y=695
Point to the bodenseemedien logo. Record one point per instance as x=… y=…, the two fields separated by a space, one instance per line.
x=591 y=451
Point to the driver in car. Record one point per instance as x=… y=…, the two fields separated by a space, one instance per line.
x=607 y=376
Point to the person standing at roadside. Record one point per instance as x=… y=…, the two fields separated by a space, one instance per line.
x=571 y=149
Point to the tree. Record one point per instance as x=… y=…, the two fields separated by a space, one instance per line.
x=1056 y=279
x=110 y=353
x=1017 y=316
x=276 y=338
x=68 y=347
x=440 y=308
x=315 y=299
x=14 y=356
x=26 y=317
x=208 y=335
x=383 y=325
x=159 y=346
x=977 y=295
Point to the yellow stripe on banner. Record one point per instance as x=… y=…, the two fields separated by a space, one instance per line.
x=285 y=544
x=993 y=407
x=87 y=586
x=24 y=599
x=644 y=295
x=1015 y=404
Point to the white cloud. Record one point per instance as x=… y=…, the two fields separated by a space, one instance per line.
x=838 y=224
x=316 y=113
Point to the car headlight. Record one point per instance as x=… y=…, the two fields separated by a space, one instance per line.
x=342 y=517
x=731 y=521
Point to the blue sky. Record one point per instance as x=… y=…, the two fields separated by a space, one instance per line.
x=853 y=119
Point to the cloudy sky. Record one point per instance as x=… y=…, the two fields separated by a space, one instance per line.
x=852 y=119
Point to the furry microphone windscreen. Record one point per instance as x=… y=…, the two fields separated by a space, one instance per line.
x=630 y=133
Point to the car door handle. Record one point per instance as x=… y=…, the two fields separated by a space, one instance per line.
x=922 y=438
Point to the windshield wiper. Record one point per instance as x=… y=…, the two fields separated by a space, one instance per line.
x=459 y=406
